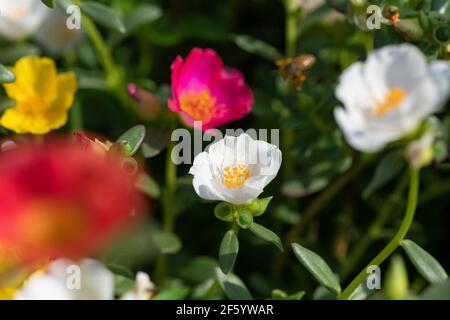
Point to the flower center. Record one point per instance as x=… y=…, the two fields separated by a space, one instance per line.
x=17 y=12
x=234 y=177
x=392 y=101
x=51 y=222
x=199 y=105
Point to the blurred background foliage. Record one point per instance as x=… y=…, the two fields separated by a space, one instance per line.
x=325 y=190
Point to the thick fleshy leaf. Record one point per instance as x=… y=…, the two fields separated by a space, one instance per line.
x=49 y=3
x=132 y=139
x=142 y=15
x=317 y=267
x=233 y=286
x=424 y=262
x=103 y=15
x=6 y=75
x=148 y=185
x=156 y=140
x=167 y=242
x=229 y=248
x=439 y=291
x=266 y=234
x=257 y=47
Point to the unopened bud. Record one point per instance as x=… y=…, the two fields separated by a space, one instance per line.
x=396 y=284
x=147 y=105
x=410 y=29
x=420 y=152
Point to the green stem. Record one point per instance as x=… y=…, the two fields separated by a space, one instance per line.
x=374 y=230
x=114 y=75
x=315 y=207
x=396 y=241
x=76 y=116
x=168 y=210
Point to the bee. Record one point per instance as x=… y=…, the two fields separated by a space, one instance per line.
x=295 y=69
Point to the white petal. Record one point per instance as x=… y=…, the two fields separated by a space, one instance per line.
x=43 y=287
x=202 y=170
x=97 y=282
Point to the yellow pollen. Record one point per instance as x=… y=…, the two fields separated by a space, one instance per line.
x=392 y=101
x=17 y=12
x=199 y=105
x=234 y=177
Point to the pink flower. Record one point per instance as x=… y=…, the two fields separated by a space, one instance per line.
x=205 y=90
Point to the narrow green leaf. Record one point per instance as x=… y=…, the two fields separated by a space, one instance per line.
x=259 y=206
x=142 y=15
x=229 y=248
x=148 y=185
x=425 y=263
x=132 y=139
x=120 y=270
x=103 y=15
x=257 y=47
x=48 y=3
x=156 y=140
x=166 y=242
x=233 y=286
x=388 y=168
x=317 y=267
x=439 y=291
x=266 y=234
x=6 y=75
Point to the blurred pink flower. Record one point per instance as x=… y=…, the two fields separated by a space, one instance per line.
x=203 y=89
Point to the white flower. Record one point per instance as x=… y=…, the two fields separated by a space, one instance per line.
x=21 y=18
x=388 y=95
x=59 y=282
x=54 y=35
x=142 y=290
x=235 y=169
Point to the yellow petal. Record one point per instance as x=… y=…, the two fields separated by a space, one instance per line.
x=35 y=77
x=67 y=86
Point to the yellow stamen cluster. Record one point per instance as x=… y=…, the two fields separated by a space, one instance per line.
x=234 y=177
x=200 y=106
x=392 y=101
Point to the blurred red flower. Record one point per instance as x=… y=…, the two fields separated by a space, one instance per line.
x=58 y=199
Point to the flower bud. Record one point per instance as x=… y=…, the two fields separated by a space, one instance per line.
x=396 y=283
x=224 y=211
x=410 y=29
x=244 y=219
x=258 y=206
x=441 y=34
x=146 y=104
x=420 y=153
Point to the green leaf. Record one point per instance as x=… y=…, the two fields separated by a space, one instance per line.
x=48 y=3
x=425 y=263
x=440 y=291
x=120 y=270
x=142 y=15
x=233 y=286
x=198 y=270
x=388 y=168
x=166 y=242
x=122 y=284
x=132 y=139
x=257 y=47
x=266 y=234
x=6 y=75
x=278 y=294
x=148 y=185
x=229 y=248
x=103 y=15
x=156 y=140
x=317 y=267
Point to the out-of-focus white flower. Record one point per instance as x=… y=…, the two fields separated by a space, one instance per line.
x=235 y=169
x=21 y=18
x=142 y=290
x=54 y=35
x=59 y=282
x=388 y=95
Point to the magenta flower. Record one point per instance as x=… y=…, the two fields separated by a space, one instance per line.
x=203 y=89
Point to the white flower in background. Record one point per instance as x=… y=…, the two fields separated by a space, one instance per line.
x=235 y=169
x=54 y=35
x=55 y=283
x=388 y=96
x=142 y=290
x=21 y=18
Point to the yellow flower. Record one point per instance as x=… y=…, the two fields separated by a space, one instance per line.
x=43 y=97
